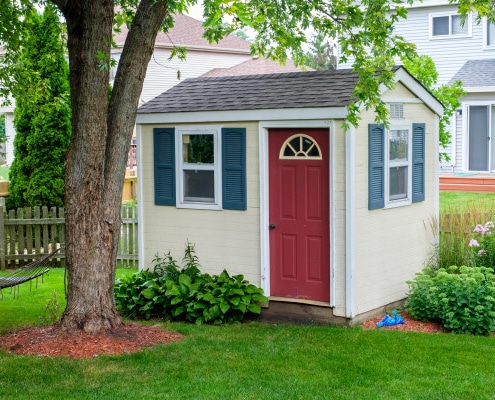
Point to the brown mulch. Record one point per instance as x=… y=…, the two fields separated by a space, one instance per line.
x=409 y=325
x=132 y=337
x=50 y=341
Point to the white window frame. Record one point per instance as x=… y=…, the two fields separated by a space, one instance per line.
x=485 y=34
x=450 y=35
x=214 y=130
x=390 y=203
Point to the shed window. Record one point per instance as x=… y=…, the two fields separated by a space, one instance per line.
x=396 y=164
x=209 y=172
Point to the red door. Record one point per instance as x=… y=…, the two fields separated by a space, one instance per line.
x=299 y=213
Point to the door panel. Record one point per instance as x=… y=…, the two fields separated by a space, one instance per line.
x=479 y=137
x=299 y=211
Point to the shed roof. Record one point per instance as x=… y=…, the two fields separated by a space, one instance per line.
x=476 y=73
x=256 y=66
x=256 y=92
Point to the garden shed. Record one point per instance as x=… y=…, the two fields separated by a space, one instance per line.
x=260 y=174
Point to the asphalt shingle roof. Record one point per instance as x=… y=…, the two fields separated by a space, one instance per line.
x=189 y=32
x=476 y=73
x=256 y=92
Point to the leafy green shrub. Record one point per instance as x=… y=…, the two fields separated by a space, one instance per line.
x=462 y=299
x=131 y=294
x=185 y=294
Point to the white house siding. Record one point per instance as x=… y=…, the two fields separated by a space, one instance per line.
x=449 y=54
x=162 y=73
x=392 y=244
x=225 y=239
x=8 y=146
x=456 y=142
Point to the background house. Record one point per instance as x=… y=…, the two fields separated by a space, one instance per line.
x=258 y=172
x=465 y=52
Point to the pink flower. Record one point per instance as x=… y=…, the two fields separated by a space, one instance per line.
x=473 y=243
x=480 y=228
x=481 y=252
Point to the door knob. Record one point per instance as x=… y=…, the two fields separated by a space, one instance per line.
x=272 y=226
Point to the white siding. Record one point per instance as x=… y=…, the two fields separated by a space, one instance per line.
x=162 y=73
x=391 y=245
x=449 y=54
x=225 y=239
x=10 y=132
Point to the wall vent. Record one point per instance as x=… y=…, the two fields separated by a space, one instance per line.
x=397 y=110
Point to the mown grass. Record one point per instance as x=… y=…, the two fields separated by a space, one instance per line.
x=253 y=361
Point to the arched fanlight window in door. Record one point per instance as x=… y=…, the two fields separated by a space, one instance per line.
x=300 y=146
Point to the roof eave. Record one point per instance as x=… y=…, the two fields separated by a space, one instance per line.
x=285 y=114
x=404 y=77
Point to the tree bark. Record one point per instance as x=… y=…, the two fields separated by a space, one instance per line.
x=97 y=155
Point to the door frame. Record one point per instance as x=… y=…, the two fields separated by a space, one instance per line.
x=264 y=127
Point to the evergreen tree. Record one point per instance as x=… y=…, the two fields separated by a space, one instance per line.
x=42 y=115
x=321 y=54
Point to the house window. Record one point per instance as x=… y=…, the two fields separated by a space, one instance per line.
x=200 y=167
x=489 y=33
x=448 y=25
x=396 y=164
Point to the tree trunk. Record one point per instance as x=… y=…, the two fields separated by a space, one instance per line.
x=97 y=155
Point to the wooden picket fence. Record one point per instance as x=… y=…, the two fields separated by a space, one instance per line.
x=27 y=233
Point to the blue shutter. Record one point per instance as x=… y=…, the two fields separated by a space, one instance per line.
x=234 y=168
x=164 y=164
x=376 y=166
x=418 y=163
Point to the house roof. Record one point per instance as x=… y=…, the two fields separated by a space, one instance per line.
x=255 y=66
x=476 y=73
x=188 y=32
x=255 y=92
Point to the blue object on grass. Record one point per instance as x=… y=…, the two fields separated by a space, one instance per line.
x=390 y=321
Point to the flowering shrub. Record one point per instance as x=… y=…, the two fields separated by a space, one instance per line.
x=483 y=245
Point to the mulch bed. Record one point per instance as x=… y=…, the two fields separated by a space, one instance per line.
x=50 y=341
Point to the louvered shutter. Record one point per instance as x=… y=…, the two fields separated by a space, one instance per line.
x=418 y=162
x=234 y=168
x=376 y=166
x=164 y=166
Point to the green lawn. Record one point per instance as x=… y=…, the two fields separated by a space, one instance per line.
x=4 y=173
x=455 y=202
x=252 y=361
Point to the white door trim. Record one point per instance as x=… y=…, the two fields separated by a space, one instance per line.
x=264 y=127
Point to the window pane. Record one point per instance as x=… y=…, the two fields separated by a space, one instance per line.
x=490 y=39
x=199 y=186
x=398 y=183
x=198 y=149
x=457 y=29
x=440 y=26
x=398 y=145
